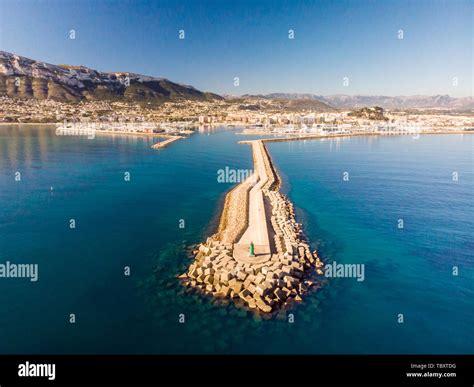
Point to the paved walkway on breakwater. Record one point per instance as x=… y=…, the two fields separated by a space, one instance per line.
x=257 y=231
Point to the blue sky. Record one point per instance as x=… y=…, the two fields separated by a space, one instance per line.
x=249 y=39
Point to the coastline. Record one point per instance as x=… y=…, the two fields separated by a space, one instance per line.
x=294 y=137
x=169 y=138
x=276 y=137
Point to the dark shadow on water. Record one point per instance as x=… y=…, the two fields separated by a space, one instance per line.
x=186 y=322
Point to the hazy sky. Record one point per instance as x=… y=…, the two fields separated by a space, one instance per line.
x=249 y=39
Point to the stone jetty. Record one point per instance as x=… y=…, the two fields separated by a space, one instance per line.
x=168 y=141
x=278 y=272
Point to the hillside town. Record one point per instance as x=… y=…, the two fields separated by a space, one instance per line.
x=259 y=116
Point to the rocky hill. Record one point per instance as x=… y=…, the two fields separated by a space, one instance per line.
x=375 y=113
x=22 y=77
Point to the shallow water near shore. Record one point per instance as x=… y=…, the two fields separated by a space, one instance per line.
x=136 y=224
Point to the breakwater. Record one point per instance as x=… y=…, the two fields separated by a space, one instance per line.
x=169 y=140
x=267 y=276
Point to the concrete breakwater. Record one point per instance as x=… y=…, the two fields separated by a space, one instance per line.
x=274 y=276
x=168 y=141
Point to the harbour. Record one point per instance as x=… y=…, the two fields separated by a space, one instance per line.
x=348 y=222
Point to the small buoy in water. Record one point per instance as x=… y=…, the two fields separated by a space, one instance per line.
x=51 y=189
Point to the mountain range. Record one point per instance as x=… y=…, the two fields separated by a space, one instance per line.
x=22 y=77
x=342 y=101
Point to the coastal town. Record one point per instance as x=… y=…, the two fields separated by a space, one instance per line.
x=210 y=191
x=254 y=116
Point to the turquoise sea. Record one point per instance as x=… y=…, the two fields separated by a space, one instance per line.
x=136 y=223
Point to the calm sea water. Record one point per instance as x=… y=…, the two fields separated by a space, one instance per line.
x=408 y=271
